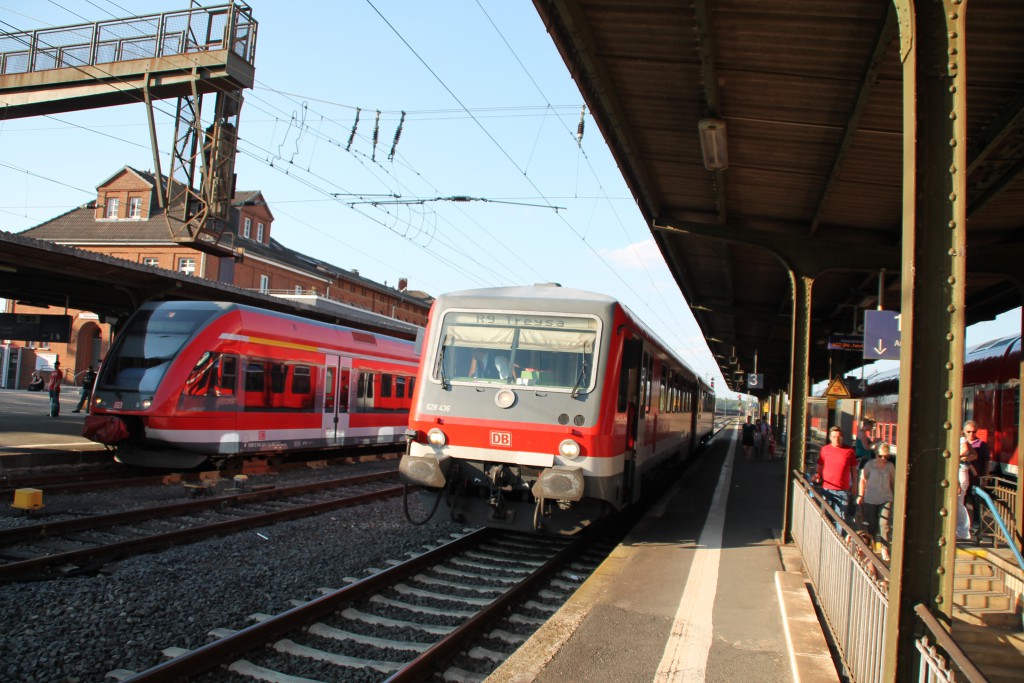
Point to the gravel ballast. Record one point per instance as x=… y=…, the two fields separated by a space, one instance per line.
x=78 y=629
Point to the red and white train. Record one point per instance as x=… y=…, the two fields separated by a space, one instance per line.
x=991 y=397
x=543 y=409
x=190 y=381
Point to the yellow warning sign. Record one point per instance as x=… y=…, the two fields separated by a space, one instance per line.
x=836 y=389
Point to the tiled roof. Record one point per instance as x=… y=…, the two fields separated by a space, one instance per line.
x=79 y=227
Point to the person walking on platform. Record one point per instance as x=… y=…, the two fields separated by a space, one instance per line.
x=967 y=458
x=762 y=439
x=865 y=443
x=53 y=386
x=87 y=381
x=747 y=439
x=833 y=471
x=875 y=495
x=981 y=469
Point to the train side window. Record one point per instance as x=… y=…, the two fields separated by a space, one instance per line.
x=255 y=385
x=329 y=390
x=400 y=386
x=211 y=384
x=385 y=386
x=343 y=393
x=301 y=383
x=278 y=377
x=412 y=386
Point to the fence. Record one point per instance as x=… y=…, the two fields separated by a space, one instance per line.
x=198 y=29
x=851 y=585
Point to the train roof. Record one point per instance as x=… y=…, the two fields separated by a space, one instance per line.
x=994 y=348
x=552 y=297
x=229 y=306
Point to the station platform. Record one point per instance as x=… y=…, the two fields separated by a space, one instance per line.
x=29 y=437
x=700 y=590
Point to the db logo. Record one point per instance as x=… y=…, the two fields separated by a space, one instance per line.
x=501 y=439
x=261 y=435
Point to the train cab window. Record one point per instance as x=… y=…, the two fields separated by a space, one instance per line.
x=150 y=341
x=526 y=349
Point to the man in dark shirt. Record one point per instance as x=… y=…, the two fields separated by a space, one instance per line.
x=88 y=379
x=980 y=469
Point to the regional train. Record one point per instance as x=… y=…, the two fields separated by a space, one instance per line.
x=545 y=408
x=991 y=397
x=191 y=381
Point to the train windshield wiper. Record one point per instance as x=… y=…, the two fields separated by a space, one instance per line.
x=579 y=381
x=444 y=379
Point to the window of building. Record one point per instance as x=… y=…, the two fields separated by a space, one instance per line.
x=135 y=207
x=247 y=228
x=264 y=283
x=151 y=261
x=259 y=232
x=187 y=266
x=111 y=208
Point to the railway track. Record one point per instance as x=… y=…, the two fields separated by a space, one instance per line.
x=456 y=611
x=81 y=481
x=84 y=545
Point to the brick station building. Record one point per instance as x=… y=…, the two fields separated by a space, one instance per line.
x=126 y=221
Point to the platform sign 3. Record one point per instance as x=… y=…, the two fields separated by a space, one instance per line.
x=755 y=380
x=882 y=335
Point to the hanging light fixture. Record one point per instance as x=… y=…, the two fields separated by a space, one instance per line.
x=713 y=144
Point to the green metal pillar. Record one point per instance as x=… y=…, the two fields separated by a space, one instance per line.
x=799 y=389
x=932 y=48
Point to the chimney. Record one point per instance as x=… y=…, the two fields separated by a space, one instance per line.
x=403 y=284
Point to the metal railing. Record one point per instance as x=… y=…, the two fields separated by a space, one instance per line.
x=199 y=29
x=850 y=582
x=1000 y=507
x=1001 y=521
x=851 y=585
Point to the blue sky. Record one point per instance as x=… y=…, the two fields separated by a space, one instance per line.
x=490 y=113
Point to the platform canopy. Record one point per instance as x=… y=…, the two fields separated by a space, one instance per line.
x=800 y=105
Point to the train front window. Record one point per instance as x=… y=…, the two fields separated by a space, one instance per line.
x=518 y=348
x=144 y=349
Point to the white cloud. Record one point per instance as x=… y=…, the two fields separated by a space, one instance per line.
x=634 y=256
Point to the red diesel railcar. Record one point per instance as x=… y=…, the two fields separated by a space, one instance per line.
x=189 y=381
x=543 y=408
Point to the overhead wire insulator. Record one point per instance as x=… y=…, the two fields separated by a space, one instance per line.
x=579 y=128
x=355 y=126
x=376 y=136
x=398 y=134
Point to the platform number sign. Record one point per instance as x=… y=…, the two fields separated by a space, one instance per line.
x=882 y=335
x=755 y=380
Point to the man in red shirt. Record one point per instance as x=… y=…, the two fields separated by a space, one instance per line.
x=836 y=464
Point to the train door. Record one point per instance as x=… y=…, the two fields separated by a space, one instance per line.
x=337 y=371
x=631 y=400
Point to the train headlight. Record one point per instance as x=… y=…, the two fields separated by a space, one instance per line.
x=505 y=398
x=436 y=437
x=569 y=449
x=147 y=403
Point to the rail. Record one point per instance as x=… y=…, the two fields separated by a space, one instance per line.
x=199 y=29
x=1004 y=501
x=851 y=585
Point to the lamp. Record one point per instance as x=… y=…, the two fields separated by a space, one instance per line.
x=712 y=144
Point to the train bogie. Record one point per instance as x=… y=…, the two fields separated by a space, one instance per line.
x=191 y=381
x=540 y=408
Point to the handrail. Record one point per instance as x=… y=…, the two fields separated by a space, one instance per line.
x=1010 y=541
x=946 y=642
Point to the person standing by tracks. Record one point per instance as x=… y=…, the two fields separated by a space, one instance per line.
x=747 y=439
x=53 y=386
x=88 y=379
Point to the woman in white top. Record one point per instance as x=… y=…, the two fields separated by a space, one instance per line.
x=963 y=520
x=875 y=495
